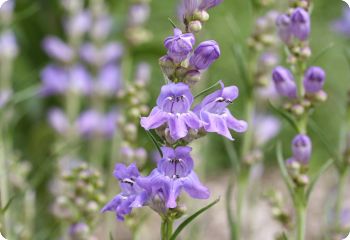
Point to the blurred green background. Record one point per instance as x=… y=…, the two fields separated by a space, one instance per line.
x=36 y=19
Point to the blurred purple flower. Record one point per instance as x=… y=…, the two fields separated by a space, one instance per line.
x=108 y=80
x=173 y=174
x=300 y=26
x=6 y=11
x=58 y=50
x=265 y=128
x=302 y=148
x=205 y=54
x=131 y=196
x=284 y=82
x=188 y=7
x=79 y=231
x=138 y=14
x=207 y=4
x=143 y=73
x=78 y=24
x=8 y=45
x=314 y=79
x=180 y=45
x=5 y=96
x=215 y=115
x=101 y=28
x=283 y=23
x=342 y=25
x=101 y=56
x=58 y=120
x=173 y=108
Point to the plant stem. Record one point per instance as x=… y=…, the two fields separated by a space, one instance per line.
x=300 y=208
x=166 y=229
x=340 y=194
x=4 y=190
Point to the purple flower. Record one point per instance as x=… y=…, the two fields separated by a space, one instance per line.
x=5 y=97
x=108 y=80
x=143 y=73
x=314 y=79
x=173 y=174
x=57 y=49
x=342 y=25
x=179 y=45
x=101 y=56
x=302 y=148
x=205 y=54
x=79 y=24
x=58 y=120
x=283 y=23
x=138 y=14
x=8 y=45
x=284 y=82
x=214 y=113
x=6 y=11
x=101 y=28
x=131 y=196
x=207 y=4
x=265 y=128
x=173 y=108
x=79 y=230
x=300 y=24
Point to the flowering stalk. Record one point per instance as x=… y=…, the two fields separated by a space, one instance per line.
x=304 y=89
x=177 y=123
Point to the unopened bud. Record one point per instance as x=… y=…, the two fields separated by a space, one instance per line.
x=195 y=26
x=202 y=16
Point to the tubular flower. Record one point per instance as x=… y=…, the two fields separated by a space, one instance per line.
x=173 y=109
x=215 y=115
x=180 y=45
x=173 y=174
x=314 y=79
x=205 y=54
x=131 y=196
x=284 y=82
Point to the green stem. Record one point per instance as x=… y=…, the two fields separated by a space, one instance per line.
x=166 y=229
x=4 y=185
x=300 y=208
x=340 y=195
x=241 y=190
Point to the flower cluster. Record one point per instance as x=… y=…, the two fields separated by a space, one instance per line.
x=177 y=122
x=78 y=195
x=183 y=63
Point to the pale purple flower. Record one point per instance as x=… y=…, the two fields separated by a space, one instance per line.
x=314 y=79
x=79 y=80
x=138 y=14
x=300 y=24
x=205 y=54
x=101 y=56
x=302 y=148
x=189 y=7
x=78 y=24
x=5 y=96
x=57 y=49
x=215 y=115
x=54 y=80
x=284 y=82
x=265 y=128
x=79 y=231
x=207 y=4
x=108 y=80
x=143 y=73
x=101 y=28
x=173 y=174
x=283 y=23
x=58 y=120
x=8 y=45
x=6 y=11
x=131 y=196
x=180 y=45
x=173 y=109
x=342 y=25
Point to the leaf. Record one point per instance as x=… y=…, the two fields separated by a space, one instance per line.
x=284 y=236
x=314 y=180
x=286 y=116
x=25 y=94
x=230 y=217
x=191 y=218
x=172 y=23
x=207 y=90
x=288 y=181
x=155 y=142
x=242 y=68
x=322 y=53
x=8 y=204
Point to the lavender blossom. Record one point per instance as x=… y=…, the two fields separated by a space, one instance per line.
x=265 y=128
x=173 y=109
x=58 y=120
x=284 y=82
x=214 y=114
x=131 y=196
x=101 y=56
x=58 y=50
x=342 y=25
x=205 y=54
x=207 y=4
x=101 y=28
x=8 y=46
x=173 y=174
x=109 y=80
x=302 y=148
x=78 y=25
x=300 y=26
x=314 y=79
x=5 y=96
x=138 y=14
x=6 y=11
x=180 y=45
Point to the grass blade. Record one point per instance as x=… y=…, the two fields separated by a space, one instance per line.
x=286 y=116
x=283 y=168
x=155 y=142
x=191 y=218
x=207 y=90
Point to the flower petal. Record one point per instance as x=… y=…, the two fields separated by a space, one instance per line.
x=194 y=187
x=177 y=127
x=156 y=119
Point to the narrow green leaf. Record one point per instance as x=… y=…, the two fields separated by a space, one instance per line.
x=207 y=89
x=288 y=181
x=230 y=217
x=286 y=116
x=191 y=218
x=155 y=142
x=25 y=94
x=8 y=204
x=322 y=53
x=347 y=56
x=172 y=23
x=242 y=68
x=111 y=236
x=284 y=236
x=314 y=180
